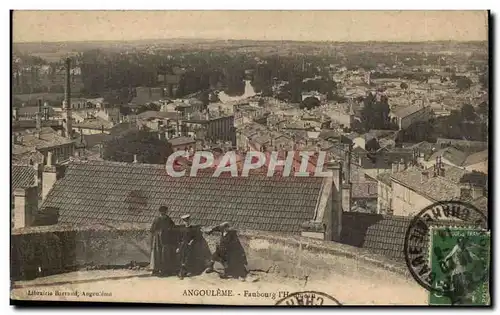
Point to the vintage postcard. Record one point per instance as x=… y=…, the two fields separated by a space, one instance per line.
x=279 y=158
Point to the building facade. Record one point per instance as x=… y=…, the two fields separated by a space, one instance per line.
x=407 y=116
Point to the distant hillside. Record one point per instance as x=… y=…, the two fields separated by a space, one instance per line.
x=51 y=50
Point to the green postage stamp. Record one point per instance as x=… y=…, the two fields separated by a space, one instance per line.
x=459 y=259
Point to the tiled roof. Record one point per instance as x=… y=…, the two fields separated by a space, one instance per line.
x=451 y=154
x=93 y=192
x=385 y=178
x=24 y=157
x=97 y=123
x=327 y=134
x=437 y=188
x=406 y=111
x=48 y=138
x=424 y=147
x=150 y=114
x=122 y=128
x=476 y=158
x=383 y=235
x=461 y=143
x=143 y=100
x=22 y=176
x=32 y=110
x=181 y=140
x=90 y=141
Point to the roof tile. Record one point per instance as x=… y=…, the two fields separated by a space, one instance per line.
x=108 y=191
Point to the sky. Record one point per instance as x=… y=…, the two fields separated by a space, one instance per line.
x=55 y=26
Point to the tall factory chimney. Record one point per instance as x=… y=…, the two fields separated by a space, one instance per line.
x=38 y=118
x=67 y=117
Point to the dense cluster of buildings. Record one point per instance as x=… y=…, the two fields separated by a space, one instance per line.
x=58 y=168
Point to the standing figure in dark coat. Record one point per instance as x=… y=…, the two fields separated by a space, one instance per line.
x=228 y=252
x=162 y=243
x=188 y=235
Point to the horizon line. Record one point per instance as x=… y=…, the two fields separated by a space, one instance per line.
x=254 y=40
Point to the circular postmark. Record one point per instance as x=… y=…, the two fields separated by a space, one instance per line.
x=425 y=257
x=308 y=298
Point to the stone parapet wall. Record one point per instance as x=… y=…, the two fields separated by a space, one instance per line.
x=41 y=251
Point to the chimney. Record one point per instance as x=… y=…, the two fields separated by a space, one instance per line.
x=40 y=105
x=347 y=162
x=51 y=173
x=402 y=165
x=420 y=158
x=340 y=199
x=38 y=172
x=45 y=113
x=476 y=191
x=25 y=206
x=67 y=117
x=394 y=167
x=38 y=125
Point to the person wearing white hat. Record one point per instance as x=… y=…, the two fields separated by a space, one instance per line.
x=188 y=235
x=223 y=249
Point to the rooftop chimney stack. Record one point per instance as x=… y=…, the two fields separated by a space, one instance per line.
x=341 y=198
x=394 y=167
x=25 y=206
x=347 y=163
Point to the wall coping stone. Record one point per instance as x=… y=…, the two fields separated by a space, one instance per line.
x=310 y=244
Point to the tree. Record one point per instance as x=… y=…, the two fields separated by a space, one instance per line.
x=310 y=103
x=463 y=83
x=484 y=80
x=205 y=99
x=372 y=145
x=403 y=86
x=483 y=109
x=124 y=110
x=145 y=145
x=417 y=132
x=375 y=112
x=468 y=113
